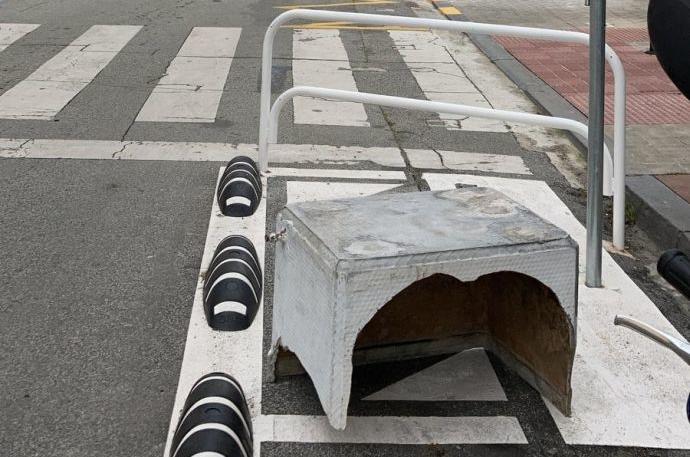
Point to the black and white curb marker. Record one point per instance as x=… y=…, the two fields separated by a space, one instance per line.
x=215 y=420
x=233 y=285
x=239 y=190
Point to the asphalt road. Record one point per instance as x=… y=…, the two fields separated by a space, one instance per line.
x=100 y=257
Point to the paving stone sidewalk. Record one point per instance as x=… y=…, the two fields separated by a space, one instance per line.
x=555 y=75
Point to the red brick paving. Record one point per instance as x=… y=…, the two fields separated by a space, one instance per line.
x=680 y=184
x=652 y=97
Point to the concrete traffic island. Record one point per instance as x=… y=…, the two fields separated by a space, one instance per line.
x=396 y=276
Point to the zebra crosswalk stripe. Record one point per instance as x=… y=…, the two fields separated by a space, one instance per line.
x=46 y=91
x=441 y=79
x=192 y=87
x=320 y=59
x=9 y=33
x=193 y=84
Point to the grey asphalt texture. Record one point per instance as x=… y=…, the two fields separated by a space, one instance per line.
x=100 y=258
x=100 y=261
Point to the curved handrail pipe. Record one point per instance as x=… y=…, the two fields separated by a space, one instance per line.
x=519 y=117
x=614 y=182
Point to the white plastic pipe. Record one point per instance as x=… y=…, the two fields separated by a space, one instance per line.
x=614 y=182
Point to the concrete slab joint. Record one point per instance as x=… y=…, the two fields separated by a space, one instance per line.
x=467 y=266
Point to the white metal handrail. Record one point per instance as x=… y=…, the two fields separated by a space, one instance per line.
x=613 y=172
x=560 y=123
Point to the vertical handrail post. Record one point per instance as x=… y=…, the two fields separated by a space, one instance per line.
x=595 y=156
x=265 y=101
x=619 y=119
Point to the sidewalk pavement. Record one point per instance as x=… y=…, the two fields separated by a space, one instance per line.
x=555 y=76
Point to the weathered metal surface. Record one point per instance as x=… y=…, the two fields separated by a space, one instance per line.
x=390 y=225
x=442 y=265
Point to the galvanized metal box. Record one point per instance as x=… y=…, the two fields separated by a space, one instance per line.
x=340 y=261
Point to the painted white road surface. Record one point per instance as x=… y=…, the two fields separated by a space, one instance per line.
x=51 y=87
x=192 y=87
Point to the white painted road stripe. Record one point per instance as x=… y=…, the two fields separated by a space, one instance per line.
x=237 y=353
x=467 y=376
x=307 y=191
x=441 y=79
x=9 y=33
x=335 y=173
x=467 y=161
x=627 y=390
x=395 y=430
x=47 y=90
x=320 y=59
x=280 y=153
x=317 y=154
x=193 y=84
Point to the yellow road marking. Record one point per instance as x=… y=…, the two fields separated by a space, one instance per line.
x=327 y=5
x=449 y=10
